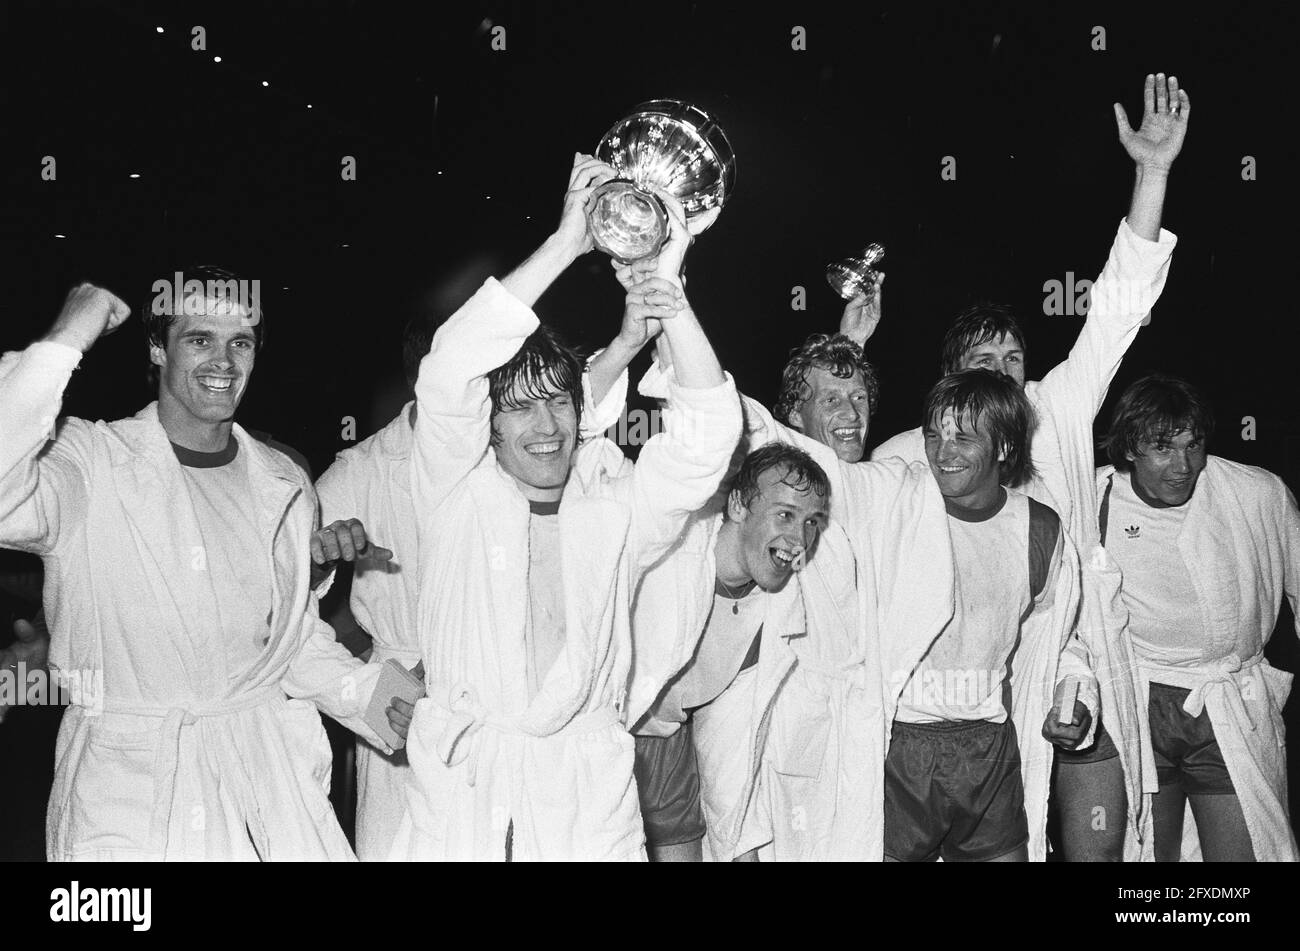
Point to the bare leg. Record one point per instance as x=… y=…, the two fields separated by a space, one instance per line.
x=1094 y=810
x=1222 y=829
x=682 y=852
x=1167 y=818
x=1016 y=855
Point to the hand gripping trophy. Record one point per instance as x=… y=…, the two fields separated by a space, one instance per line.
x=661 y=144
x=854 y=276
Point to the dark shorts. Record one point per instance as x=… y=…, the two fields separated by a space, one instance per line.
x=1102 y=749
x=954 y=790
x=1187 y=754
x=668 y=785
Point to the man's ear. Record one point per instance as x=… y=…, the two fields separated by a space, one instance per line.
x=157 y=355
x=736 y=510
x=795 y=420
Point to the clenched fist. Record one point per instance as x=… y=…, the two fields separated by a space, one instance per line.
x=89 y=312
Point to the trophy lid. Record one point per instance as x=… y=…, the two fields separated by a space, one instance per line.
x=675 y=146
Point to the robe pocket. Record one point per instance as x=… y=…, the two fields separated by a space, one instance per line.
x=307 y=741
x=112 y=792
x=801 y=730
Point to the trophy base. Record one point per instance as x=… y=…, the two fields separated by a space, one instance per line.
x=626 y=222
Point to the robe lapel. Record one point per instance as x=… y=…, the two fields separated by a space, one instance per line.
x=160 y=515
x=276 y=482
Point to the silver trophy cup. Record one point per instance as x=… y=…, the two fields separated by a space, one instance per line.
x=661 y=144
x=852 y=276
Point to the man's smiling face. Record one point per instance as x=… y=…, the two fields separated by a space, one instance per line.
x=962 y=458
x=778 y=529
x=207 y=361
x=836 y=412
x=534 y=441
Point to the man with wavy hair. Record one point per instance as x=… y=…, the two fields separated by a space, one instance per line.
x=829 y=392
x=1208 y=549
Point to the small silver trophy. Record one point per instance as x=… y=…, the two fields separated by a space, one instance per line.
x=666 y=144
x=853 y=276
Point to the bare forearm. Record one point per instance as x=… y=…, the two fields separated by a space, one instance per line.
x=606 y=366
x=530 y=279
x=694 y=362
x=1148 y=202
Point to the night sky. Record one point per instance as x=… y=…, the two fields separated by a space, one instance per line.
x=463 y=154
x=836 y=146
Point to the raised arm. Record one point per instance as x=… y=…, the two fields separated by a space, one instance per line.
x=680 y=468
x=571 y=239
x=453 y=420
x=1153 y=148
x=650 y=300
x=695 y=365
x=42 y=480
x=861 y=316
x=1135 y=273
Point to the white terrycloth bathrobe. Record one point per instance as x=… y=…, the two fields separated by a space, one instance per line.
x=743 y=808
x=1240 y=541
x=895 y=518
x=372 y=482
x=557 y=771
x=180 y=763
x=1067 y=402
x=812 y=649
x=730 y=733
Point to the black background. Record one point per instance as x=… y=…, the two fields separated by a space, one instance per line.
x=837 y=145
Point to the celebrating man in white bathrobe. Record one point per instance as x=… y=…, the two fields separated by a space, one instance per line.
x=1067 y=402
x=370 y=484
x=775 y=512
x=954 y=786
x=1208 y=548
x=176 y=560
x=528 y=564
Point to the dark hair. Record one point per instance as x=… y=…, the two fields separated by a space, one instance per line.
x=544 y=366
x=161 y=312
x=802 y=473
x=833 y=352
x=997 y=406
x=975 y=325
x=1153 y=409
x=417 y=335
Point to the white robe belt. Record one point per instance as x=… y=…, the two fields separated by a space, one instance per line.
x=1199 y=679
x=175 y=721
x=465 y=715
